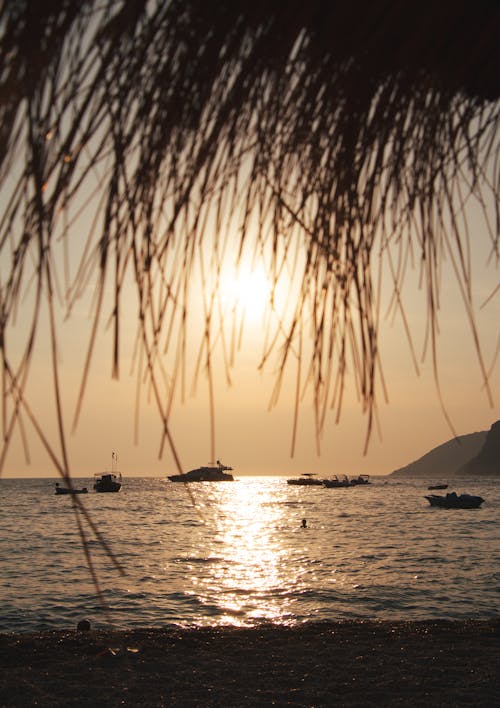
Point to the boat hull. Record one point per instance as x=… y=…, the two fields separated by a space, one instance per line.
x=63 y=491
x=306 y=479
x=305 y=482
x=108 y=482
x=115 y=487
x=183 y=478
x=336 y=483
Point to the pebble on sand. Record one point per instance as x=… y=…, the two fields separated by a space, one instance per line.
x=83 y=626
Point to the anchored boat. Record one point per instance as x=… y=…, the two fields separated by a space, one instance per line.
x=306 y=479
x=69 y=490
x=109 y=481
x=455 y=501
x=335 y=482
x=210 y=473
x=360 y=480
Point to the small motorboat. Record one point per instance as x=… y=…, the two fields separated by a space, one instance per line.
x=109 y=481
x=210 y=473
x=308 y=479
x=335 y=482
x=455 y=501
x=69 y=490
x=360 y=480
x=438 y=486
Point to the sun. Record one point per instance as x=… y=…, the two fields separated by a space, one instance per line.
x=247 y=291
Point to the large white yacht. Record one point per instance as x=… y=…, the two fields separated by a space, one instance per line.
x=210 y=473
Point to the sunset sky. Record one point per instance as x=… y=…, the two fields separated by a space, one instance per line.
x=249 y=436
x=210 y=203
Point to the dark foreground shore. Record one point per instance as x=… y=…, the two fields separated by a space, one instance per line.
x=357 y=663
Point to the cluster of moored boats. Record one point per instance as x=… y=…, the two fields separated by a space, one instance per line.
x=451 y=500
x=309 y=479
x=112 y=482
x=222 y=473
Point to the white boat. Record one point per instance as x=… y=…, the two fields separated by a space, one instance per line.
x=210 y=473
x=360 y=479
x=308 y=479
x=455 y=501
x=335 y=482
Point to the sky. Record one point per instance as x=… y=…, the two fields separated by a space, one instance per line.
x=249 y=435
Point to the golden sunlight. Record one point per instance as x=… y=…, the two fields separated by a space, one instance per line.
x=246 y=291
x=247 y=532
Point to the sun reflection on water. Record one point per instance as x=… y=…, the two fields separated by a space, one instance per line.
x=248 y=541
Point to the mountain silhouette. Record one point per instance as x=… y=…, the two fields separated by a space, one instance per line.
x=487 y=460
x=445 y=460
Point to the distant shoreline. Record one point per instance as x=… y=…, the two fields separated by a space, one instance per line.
x=348 y=663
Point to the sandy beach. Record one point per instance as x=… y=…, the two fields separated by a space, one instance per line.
x=358 y=663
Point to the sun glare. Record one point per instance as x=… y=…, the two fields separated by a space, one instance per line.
x=247 y=291
x=248 y=553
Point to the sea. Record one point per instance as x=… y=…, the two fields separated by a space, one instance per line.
x=236 y=553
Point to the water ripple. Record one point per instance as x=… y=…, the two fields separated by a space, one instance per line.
x=241 y=557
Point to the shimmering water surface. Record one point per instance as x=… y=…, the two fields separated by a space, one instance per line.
x=240 y=556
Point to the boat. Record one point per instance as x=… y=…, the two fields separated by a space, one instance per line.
x=109 y=481
x=308 y=479
x=455 y=501
x=210 y=473
x=335 y=482
x=69 y=490
x=437 y=486
x=360 y=480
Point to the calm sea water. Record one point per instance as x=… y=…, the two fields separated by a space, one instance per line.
x=240 y=556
